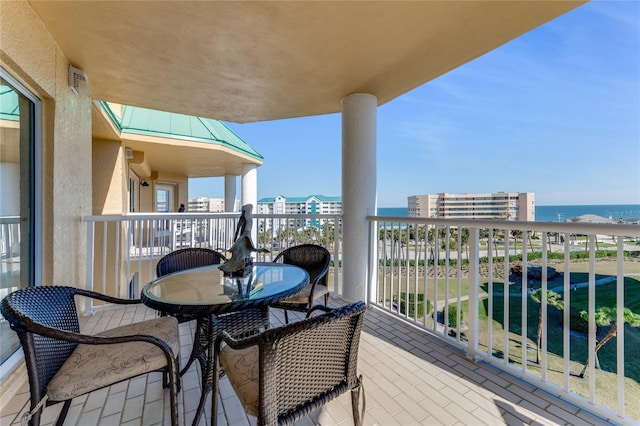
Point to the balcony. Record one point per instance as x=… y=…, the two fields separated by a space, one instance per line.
x=435 y=348
x=410 y=377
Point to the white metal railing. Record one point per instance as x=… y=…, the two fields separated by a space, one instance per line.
x=9 y=253
x=462 y=280
x=123 y=250
x=475 y=284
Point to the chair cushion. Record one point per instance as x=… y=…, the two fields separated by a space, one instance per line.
x=303 y=295
x=91 y=367
x=242 y=366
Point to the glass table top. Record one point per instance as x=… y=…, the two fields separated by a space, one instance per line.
x=208 y=286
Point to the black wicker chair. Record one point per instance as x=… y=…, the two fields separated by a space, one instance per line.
x=286 y=373
x=46 y=321
x=315 y=260
x=237 y=324
x=187 y=258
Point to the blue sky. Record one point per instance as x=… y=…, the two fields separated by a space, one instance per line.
x=555 y=112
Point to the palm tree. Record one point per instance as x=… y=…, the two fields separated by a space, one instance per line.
x=530 y=241
x=495 y=234
x=431 y=239
x=326 y=234
x=385 y=235
x=464 y=239
x=398 y=241
x=421 y=238
x=515 y=233
x=553 y=299
x=604 y=317
x=484 y=236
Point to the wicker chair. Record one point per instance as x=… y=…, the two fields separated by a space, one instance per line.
x=237 y=324
x=187 y=258
x=315 y=260
x=286 y=373
x=46 y=321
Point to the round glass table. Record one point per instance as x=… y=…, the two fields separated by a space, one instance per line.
x=204 y=293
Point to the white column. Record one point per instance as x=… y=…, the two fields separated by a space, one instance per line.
x=359 y=193
x=250 y=193
x=229 y=193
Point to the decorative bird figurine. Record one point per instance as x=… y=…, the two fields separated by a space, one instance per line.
x=243 y=246
x=244 y=225
x=240 y=250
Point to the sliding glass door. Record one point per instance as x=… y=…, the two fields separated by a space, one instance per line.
x=19 y=206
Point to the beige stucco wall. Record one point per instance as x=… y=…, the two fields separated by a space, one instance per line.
x=110 y=183
x=29 y=53
x=109 y=178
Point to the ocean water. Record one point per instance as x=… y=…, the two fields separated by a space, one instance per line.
x=564 y=213
x=393 y=211
x=555 y=213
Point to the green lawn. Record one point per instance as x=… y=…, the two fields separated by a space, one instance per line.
x=606 y=384
x=578 y=344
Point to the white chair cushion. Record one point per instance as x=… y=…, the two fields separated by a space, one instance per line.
x=243 y=369
x=92 y=367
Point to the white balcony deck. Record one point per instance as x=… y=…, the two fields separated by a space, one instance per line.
x=410 y=378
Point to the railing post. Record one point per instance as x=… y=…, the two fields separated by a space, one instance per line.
x=372 y=293
x=620 y=320
x=337 y=248
x=89 y=266
x=474 y=286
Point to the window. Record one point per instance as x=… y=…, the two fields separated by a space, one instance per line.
x=164 y=198
x=134 y=199
x=20 y=124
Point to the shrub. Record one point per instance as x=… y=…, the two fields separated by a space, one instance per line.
x=421 y=305
x=577 y=323
x=452 y=315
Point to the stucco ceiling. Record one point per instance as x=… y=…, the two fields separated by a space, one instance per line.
x=255 y=61
x=191 y=159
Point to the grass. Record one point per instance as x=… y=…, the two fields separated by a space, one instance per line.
x=606 y=377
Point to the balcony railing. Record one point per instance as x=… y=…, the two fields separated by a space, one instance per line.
x=474 y=284
x=126 y=248
x=479 y=286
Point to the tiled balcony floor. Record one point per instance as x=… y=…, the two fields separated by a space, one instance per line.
x=410 y=378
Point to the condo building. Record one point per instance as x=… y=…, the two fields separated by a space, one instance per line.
x=499 y=205
x=312 y=204
x=204 y=204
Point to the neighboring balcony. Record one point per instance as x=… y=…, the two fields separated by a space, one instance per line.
x=443 y=340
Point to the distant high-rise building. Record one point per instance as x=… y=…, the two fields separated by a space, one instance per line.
x=499 y=205
x=312 y=204
x=204 y=204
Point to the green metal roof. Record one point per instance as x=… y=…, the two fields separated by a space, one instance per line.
x=148 y=122
x=9 y=108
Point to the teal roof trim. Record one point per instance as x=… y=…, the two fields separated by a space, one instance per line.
x=9 y=107
x=112 y=116
x=148 y=122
